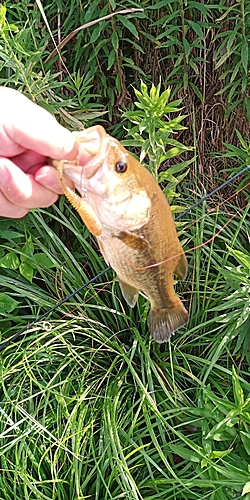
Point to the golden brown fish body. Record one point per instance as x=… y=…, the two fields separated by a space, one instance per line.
x=134 y=227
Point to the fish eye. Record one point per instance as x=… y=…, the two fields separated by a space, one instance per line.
x=121 y=167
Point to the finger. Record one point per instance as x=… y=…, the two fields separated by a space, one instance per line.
x=7 y=209
x=33 y=163
x=29 y=161
x=28 y=126
x=48 y=177
x=21 y=189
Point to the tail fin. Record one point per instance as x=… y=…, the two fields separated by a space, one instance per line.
x=164 y=322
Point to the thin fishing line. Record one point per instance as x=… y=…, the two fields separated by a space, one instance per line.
x=213 y=192
x=181 y=253
x=215 y=209
x=44 y=315
x=229 y=198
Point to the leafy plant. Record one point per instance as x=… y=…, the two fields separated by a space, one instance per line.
x=239 y=155
x=28 y=262
x=238 y=277
x=151 y=133
x=21 y=52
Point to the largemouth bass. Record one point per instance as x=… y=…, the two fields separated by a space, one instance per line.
x=123 y=206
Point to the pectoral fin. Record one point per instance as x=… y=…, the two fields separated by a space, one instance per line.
x=129 y=293
x=133 y=240
x=182 y=267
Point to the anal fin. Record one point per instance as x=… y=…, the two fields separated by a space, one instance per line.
x=182 y=267
x=129 y=293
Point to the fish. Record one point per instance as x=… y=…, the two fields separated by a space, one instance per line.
x=125 y=209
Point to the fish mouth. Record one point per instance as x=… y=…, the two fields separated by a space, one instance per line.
x=95 y=144
x=77 y=174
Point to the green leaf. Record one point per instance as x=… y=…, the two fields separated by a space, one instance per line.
x=224 y=430
x=7 y=304
x=91 y=10
x=196 y=91
x=243 y=340
x=247 y=103
x=130 y=26
x=242 y=257
x=185 y=80
x=196 y=27
x=27 y=250
x=200 y=6
x=220 y=454
x=10 y=261
x=26 y=271
x=10 y=235
x=242 y=141
x=178 y=167
x=135 y=45
x=171 y=153
x=159 y=5
x=238 y=392
x=43 y=261
x=194 y=66
x=223 y=59
x=115 y=40
x=185 y=453
x=111 y=59
x=246 y=488
x=187 y=47
x=96 y=32
x=245 y=438
x=237 y=68
x=244 y=54
x=164 y=97
x=130 y=64
x=237 y=152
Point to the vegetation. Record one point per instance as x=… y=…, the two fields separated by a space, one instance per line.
x=90 y=406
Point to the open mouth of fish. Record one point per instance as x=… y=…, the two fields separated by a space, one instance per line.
x=76 y=172
x=96 y=144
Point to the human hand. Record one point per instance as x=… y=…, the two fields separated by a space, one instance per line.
x=28 y=134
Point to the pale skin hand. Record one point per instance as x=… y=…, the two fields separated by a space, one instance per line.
x=28 y=134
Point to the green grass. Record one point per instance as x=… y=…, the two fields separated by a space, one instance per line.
x=91 y=407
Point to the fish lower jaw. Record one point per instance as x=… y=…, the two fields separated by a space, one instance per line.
x=116 y=221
